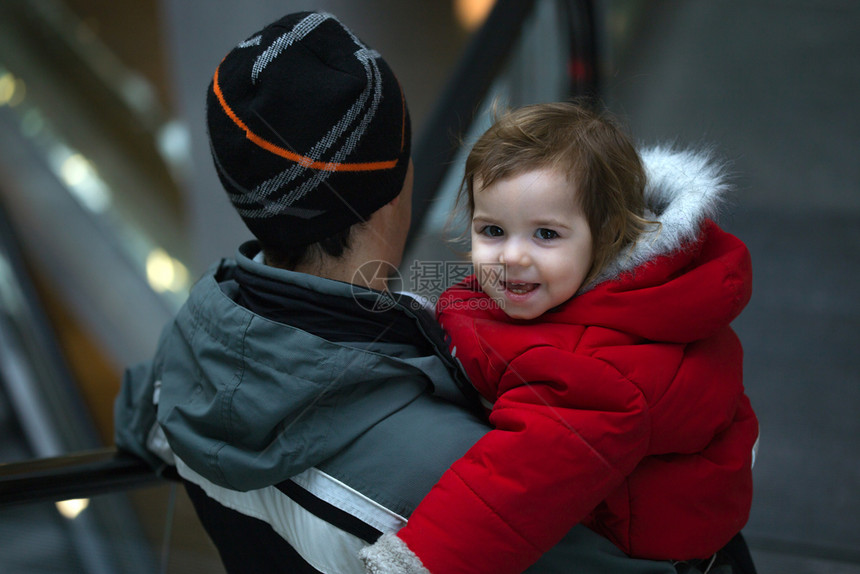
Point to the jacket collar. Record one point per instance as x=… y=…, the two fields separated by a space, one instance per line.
x=323 y=306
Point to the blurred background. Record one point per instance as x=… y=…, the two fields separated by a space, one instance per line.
x=110 y=208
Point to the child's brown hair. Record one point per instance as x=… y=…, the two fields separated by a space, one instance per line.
x=589 y=147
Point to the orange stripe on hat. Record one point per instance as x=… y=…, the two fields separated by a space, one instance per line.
x=287 y=154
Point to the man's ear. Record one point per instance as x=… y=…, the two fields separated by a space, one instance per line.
x=406 y=182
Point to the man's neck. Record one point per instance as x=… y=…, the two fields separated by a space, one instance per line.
x=353 y=266
x=374 y=252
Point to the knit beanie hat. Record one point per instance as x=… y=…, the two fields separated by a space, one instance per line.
x=308 y=129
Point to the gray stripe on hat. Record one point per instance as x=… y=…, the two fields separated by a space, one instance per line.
x=299 y=31
x=242 y=197
x=255 y=41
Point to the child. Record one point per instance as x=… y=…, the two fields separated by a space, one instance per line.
x=605 y=354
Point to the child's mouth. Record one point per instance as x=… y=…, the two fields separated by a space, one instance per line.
x=519 y=288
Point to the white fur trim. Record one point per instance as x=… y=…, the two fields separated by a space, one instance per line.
x=682 y=189
x=390 y=555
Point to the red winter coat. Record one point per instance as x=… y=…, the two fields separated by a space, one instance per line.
x=623 y=409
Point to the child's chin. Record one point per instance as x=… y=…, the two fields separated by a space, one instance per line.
x=520 y=314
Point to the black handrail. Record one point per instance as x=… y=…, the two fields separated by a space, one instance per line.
x=86 y=474
x=78 y=475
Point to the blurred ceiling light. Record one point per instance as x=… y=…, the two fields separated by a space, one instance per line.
x=138 y=93
x=472 y=13
x=174 y=143
x=75 y=170
x=7 y=88
x=18 y=93
x=165 y=273
x=9 y=85
x=84 y=183
x=72 y=508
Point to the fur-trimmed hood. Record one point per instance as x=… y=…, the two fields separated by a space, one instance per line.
x=683 y=188
x=683 y=280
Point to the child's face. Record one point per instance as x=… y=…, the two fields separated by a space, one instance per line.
x=531 y=244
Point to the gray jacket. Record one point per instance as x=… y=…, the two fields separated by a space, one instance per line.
x=361 y=412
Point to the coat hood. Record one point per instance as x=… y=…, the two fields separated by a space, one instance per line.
x=682 y=190
x=684 y=279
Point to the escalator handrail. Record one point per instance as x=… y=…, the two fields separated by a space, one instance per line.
x=78 y=475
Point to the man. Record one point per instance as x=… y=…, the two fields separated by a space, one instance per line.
x=307 y=410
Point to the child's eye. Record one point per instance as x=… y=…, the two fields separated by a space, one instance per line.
x=544 y=233
x=492 y=231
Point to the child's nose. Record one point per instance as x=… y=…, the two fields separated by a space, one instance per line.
x=515 y=253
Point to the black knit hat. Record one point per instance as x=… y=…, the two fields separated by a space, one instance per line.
x=308 y=129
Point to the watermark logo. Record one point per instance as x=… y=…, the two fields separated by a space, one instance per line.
x=491 y=274
x=430 y=278
x=377 y=273
x=424 y=283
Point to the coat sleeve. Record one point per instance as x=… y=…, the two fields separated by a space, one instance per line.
x=135 y=409
x=134 y=413
x=567 y=430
